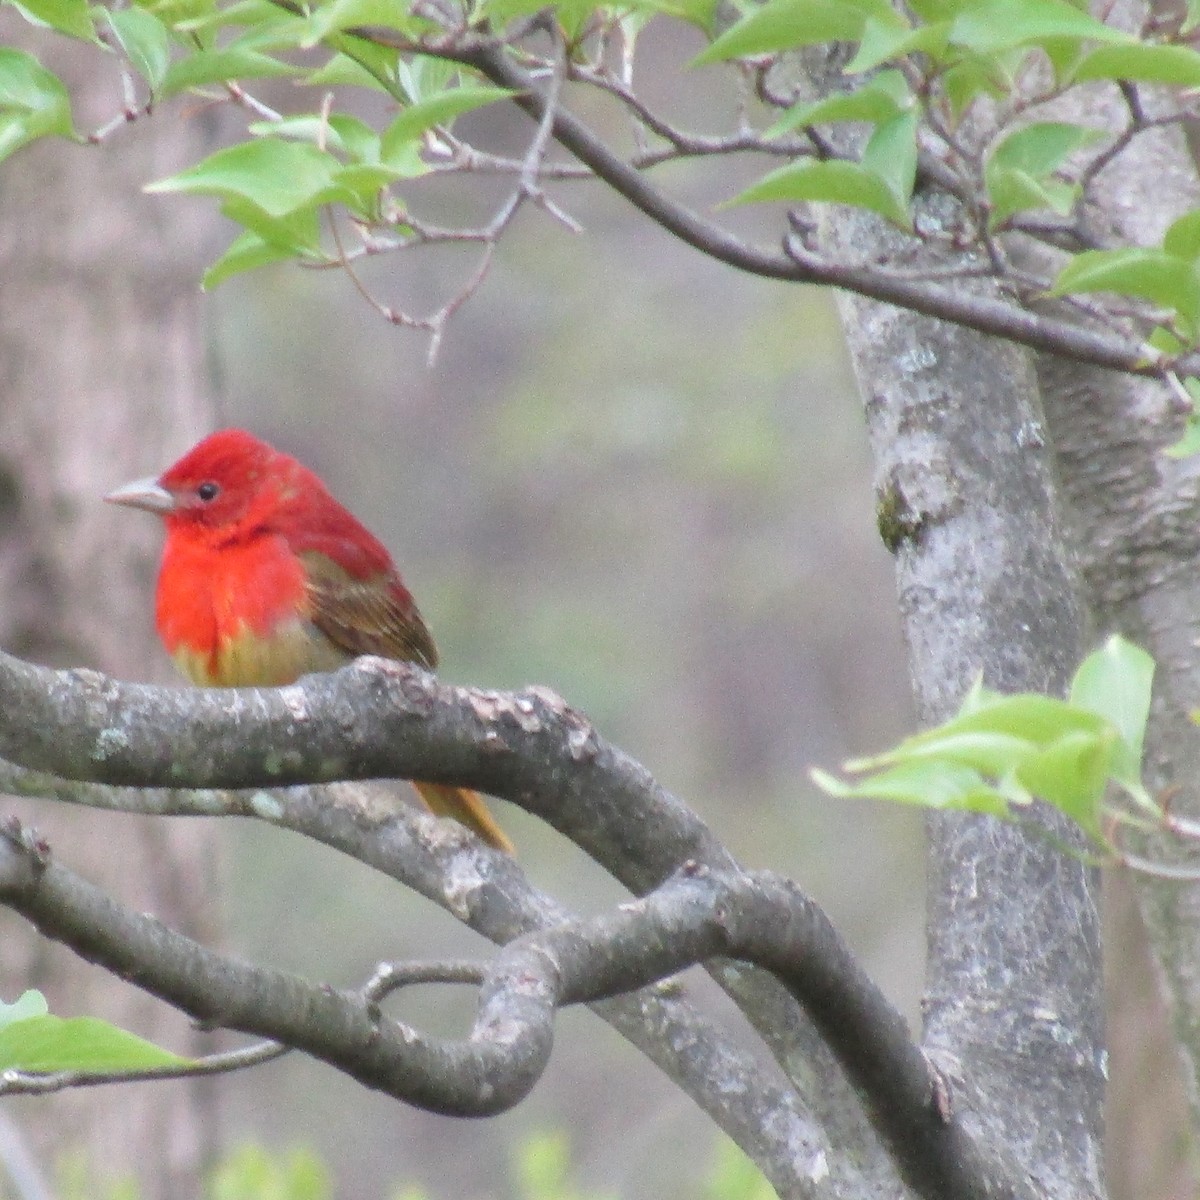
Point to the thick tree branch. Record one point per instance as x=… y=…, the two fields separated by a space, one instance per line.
x=442 y=862
x=376 y=719
x=691 y=918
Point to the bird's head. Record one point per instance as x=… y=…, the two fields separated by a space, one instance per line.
x=218 y=484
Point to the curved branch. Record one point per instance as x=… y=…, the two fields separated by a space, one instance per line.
x=442 y=862
x=691 y=918
x=374 y=719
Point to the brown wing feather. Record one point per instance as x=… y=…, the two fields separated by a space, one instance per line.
x=364 y=618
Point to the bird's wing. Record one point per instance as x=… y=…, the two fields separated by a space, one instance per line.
x=371 y=616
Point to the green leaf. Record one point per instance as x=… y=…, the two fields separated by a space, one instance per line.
x=834 y=182
x=72 y=17
x=1154 y=275
x=145 y=40
x=882 y=96
x=436 y=110
x=939 y=10
x=184 y=14
x=27 y=86
x=273 y=31
x=701 y=13
x=338 y=131
x=298 y=233
x=247 y=253
x=1002 y=24
x=1189 y=444
x=382 y=63
x=349 y=14
x=364 y=183
x=1042 y=147
x=974 y=76
x=991 y=752
x=1165 y=342
x=13 y=134
x=500 y=12
x=1177 y=66
x=891 y=155
x=28 y=1004
x=1071 y=774
x=343 y=71
x=45 y=1044
x=33 y=102
x=1015 y=171
x=574 y=17
x=928 y=784
x=1039 y=719
x=222 y=66
x=1115 y=682
x=247 y=14
x=886 y=41
x=1011 y=192
x=786 y=25
x=276 y=176
x=1002 y=750
x=423 y=77
x=1026 y=719
x=1182 y=239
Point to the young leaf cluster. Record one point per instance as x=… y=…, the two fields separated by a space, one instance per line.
x=963 y=96
x=1083 y=755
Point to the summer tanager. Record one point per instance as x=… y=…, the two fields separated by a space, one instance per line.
x=266 y=577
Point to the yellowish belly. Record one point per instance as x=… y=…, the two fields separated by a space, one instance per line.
x=246 y=659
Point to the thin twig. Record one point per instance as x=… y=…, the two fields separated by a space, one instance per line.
x=390 y=977
x=240 y=96
x=1157 y=870
x=27 y=1083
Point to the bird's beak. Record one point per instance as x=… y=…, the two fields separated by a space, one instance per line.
x=144 y=493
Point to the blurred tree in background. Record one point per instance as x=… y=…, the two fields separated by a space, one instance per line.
x=103 y=355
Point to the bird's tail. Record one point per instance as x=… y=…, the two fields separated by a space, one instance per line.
x=467 y=808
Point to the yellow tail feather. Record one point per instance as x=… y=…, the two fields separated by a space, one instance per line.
x=467 y=808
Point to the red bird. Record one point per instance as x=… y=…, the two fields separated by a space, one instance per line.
x=266 y=577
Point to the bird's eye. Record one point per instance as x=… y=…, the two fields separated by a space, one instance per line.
x=207 y=491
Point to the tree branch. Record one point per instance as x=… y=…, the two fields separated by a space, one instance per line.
x=691 y=918
x=487 y=891
x=492 y=58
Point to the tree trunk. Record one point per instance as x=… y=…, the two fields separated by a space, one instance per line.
x=1136 y=518
x=967 y=502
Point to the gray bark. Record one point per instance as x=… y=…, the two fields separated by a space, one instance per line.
x=988 y=586
x=1136 y=520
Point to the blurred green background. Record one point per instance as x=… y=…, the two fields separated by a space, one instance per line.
x=637 y=477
